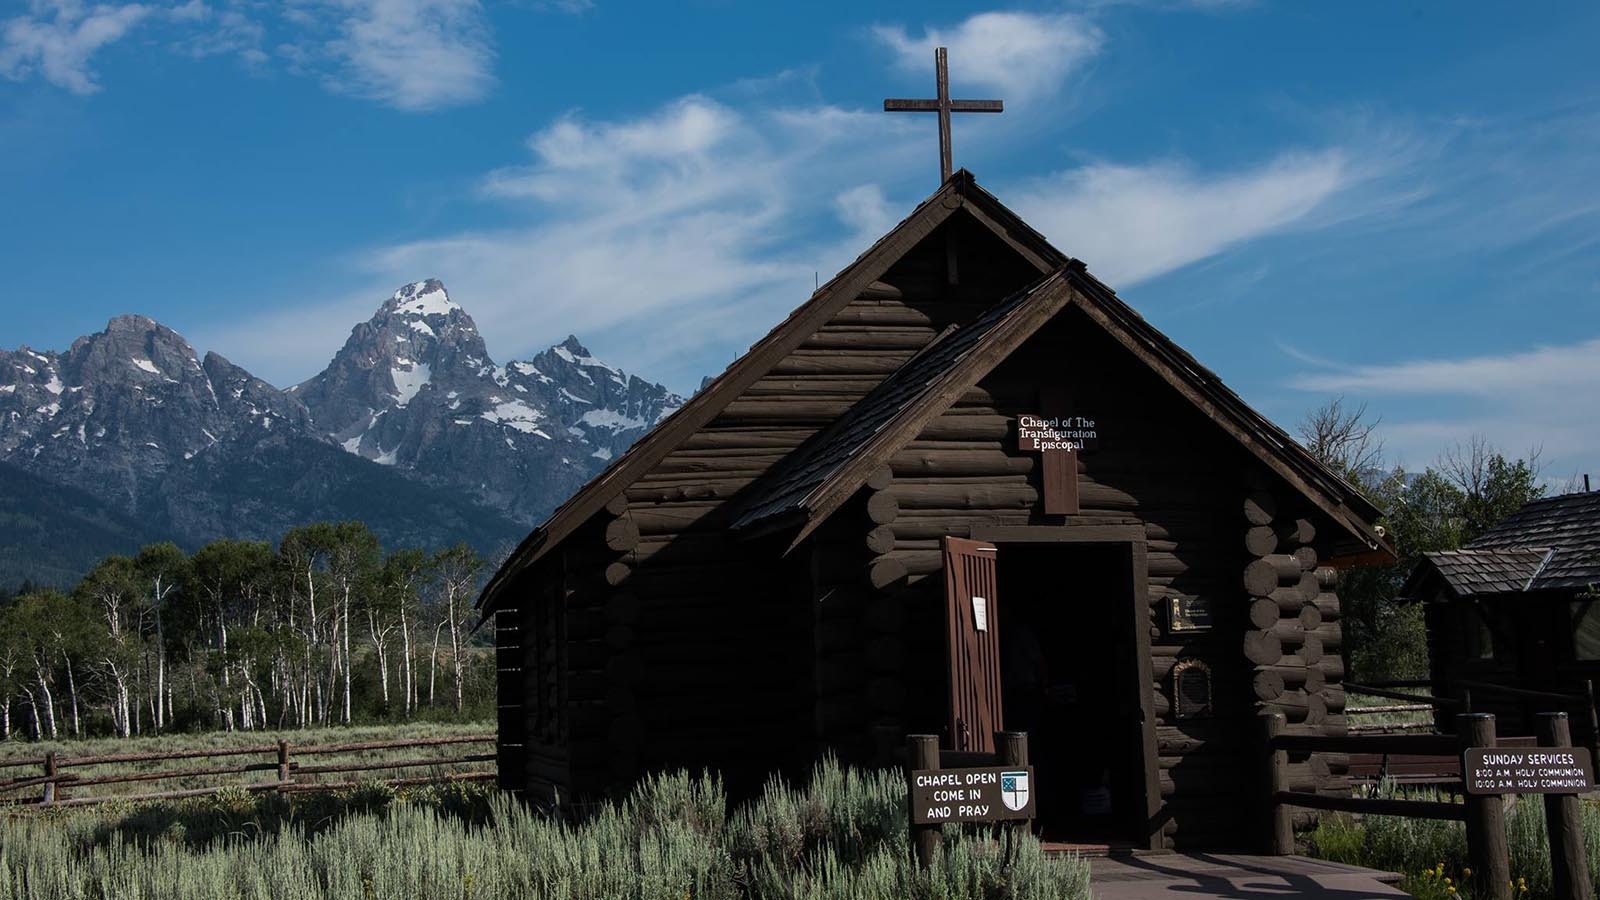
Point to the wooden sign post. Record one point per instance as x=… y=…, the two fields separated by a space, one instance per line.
x=1000 y=793
x=1555 y=769
x=1486 y=827
x=1569 y=864
x=1058 y=436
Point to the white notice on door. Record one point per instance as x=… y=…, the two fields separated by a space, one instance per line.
x=980 y=613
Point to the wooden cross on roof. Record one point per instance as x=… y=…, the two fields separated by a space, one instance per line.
x=944 y=106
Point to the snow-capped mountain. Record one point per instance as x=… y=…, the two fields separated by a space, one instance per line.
x=129 y=404
x=414 y=388
x=412 y=427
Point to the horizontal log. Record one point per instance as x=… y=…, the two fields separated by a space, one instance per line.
x=1327 y=578
x=1307 y=557
x=652 y=491
x=1262 y=647
x=1260 y=540
x=880 y=539
x=1260 y=508
x=1295 y=532
x=869 y=338
x=655 y=520
x=622 y=535
x=1264 y=613
x=1310 y=617
x=1300 y=706
x=792 y=385
x=885 y=614
x=959 y=463
x=1198 y=736
x=887 y=571
x=756 y=411
x=748 y=463
x=1327 y=604
x=1265 y=575
x=883 y=508
x=743 y=438
x=622 y=608
x=835 y=362
x=1267 y=683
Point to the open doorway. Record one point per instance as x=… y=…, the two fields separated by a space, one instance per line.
x=1070 y=671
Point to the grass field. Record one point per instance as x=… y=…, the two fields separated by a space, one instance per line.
x=843 y=835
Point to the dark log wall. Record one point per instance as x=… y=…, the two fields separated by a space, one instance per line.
x=1161 y=466
x=688 y=648
x=530 y=681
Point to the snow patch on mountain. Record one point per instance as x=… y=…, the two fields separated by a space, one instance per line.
x=408 y=380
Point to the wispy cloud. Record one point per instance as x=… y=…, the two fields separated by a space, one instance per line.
x=1543 y=397
x=1019 y=54
x=57 y=40
x=1135 y=222
x=414 y=55
x=672 y=234
x=1555 y=368
x=411 y=54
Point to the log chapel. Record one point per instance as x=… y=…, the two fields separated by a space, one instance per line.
x=961 y=488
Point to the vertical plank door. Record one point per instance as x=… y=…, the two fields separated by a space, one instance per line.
x=972 y=644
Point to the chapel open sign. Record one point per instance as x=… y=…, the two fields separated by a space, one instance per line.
x=990 y=794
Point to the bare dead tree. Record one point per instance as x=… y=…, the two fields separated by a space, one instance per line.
x=1469 y=466
x=1343 y=437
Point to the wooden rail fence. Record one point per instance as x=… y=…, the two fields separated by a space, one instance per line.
x=1483 y=814
x=286 y=774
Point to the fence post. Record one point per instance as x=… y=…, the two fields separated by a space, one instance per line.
x=1277 y=832
x=49 y=772
x=283 y=766
x=1013 y=751
x=923 y=753
x=1486 y=830
x=1569 y=865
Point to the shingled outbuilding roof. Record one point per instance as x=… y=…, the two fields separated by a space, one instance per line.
x=1548 y=544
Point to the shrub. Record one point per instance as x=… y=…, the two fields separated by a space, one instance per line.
x=841 y=835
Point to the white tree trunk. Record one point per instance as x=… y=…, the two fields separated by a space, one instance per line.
x=433 y=660
x=409 y=685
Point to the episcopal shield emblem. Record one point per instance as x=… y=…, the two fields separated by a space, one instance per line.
x=1014 y=790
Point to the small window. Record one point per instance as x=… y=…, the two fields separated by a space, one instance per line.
x=1585 y=631
x=1479 y=636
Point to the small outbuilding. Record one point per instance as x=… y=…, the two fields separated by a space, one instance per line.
x=1518 y=610
x=961 y=488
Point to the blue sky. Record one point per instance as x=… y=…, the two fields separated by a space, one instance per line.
x=1396 y=202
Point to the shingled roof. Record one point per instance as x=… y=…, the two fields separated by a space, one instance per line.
x=823 y=472
x=838 y=466
x=1569 y=525
x=1472 y=572
x=1548 y=544
x=799 y=484
x=959 y=192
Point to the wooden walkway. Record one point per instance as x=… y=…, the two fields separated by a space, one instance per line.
x=1153 y=876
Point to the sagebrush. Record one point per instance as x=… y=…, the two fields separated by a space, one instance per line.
x=841 y=835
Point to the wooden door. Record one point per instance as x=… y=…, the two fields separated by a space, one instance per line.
x=972 y=644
